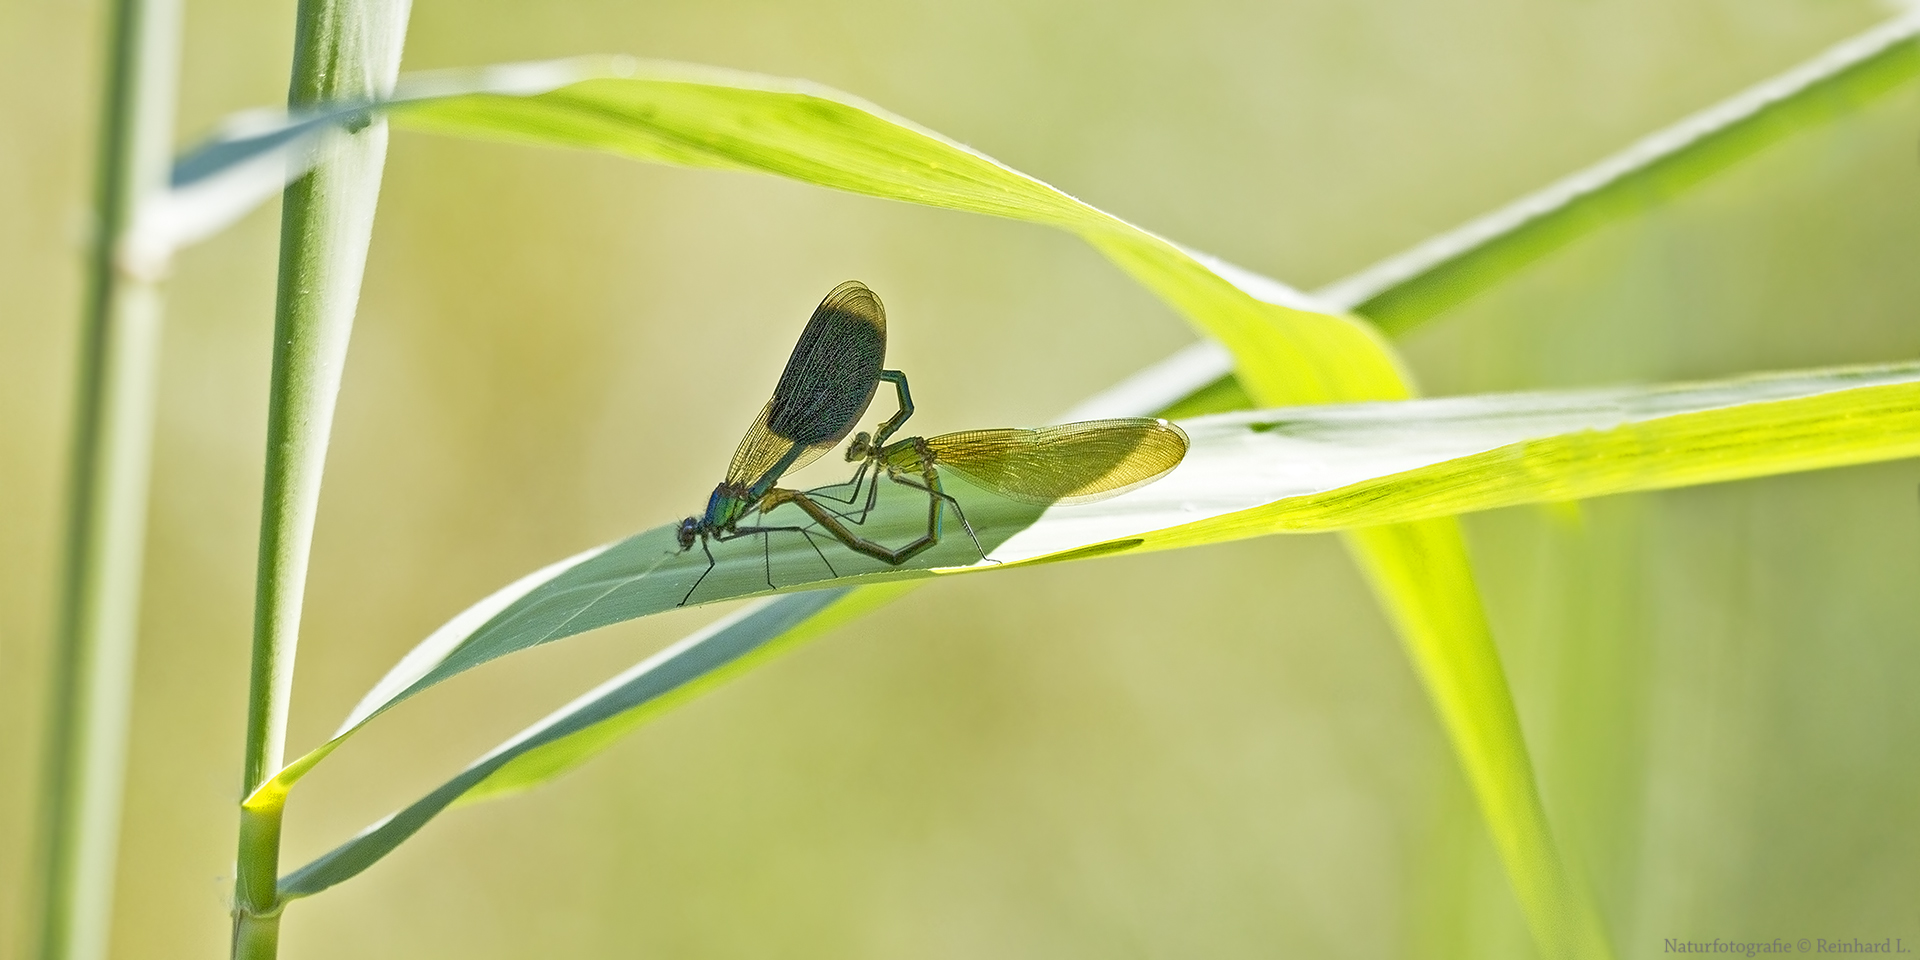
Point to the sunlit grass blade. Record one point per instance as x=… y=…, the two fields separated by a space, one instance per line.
x=704 y=117
x=1409 y=288
x=257 y=153
x=1405 y=290
x=575 y=733
x=223 y=177
x=1422 y=565
x=1294 y=470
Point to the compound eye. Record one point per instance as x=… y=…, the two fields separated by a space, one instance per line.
x=860 y=445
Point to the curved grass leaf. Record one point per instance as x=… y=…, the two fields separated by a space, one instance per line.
x=258 y=153
x=1405 y=290
x=1386 y=468
x=704 y=117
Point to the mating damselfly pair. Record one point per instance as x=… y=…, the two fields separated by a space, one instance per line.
x=836 y=368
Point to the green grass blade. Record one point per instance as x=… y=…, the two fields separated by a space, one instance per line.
x=702 y=117
x=1422 y=567
x=1583 y=444
x=250 y=160
x=245 y=164
x=1386 y=468
x=1405 y=290
x=578 y=731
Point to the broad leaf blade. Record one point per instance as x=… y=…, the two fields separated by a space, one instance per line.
x=703 y=117
x=1290 y=470
x=1383 y=467
x=574 y=733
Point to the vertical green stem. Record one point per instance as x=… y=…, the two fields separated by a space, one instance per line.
x=92 y=684
x=343 y=50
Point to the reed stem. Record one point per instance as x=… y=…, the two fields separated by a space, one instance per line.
x=343 y=50
x=92 y=684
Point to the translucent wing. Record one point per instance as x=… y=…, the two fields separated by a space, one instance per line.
x=760 y=451
x=1069 y=463
x=825 y=390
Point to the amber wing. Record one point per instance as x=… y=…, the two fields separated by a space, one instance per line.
x=1069 y=463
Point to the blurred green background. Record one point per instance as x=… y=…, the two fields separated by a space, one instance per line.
x=1217 y=752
